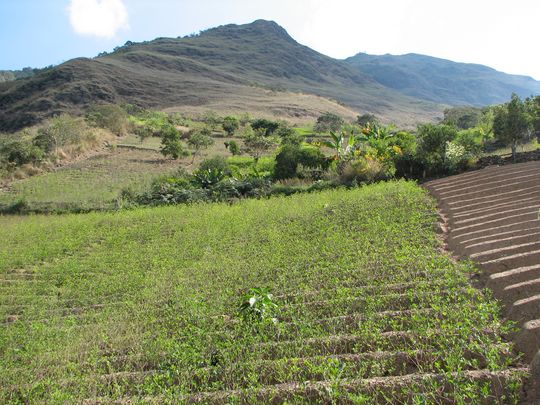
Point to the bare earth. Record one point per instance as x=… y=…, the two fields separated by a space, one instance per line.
x=492 y=216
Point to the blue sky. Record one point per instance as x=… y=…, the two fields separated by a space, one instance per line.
x=498 y=33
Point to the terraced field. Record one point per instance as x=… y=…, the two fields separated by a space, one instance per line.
x=493 y=217
x=93 y=183
x=143 y=306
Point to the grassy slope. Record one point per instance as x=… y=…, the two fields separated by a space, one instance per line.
x=92 y=183
x=92 y=295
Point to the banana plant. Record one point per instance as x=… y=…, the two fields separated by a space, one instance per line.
x=340 y=147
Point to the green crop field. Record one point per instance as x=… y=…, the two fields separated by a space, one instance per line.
x=143 y=305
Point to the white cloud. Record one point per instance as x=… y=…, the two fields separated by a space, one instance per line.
x=100 y=18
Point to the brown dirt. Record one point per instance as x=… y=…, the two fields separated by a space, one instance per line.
x=493 y=218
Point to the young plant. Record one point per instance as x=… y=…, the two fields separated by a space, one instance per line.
x=258 y=305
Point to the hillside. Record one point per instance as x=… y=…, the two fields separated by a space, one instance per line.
x=236 y=68
x=188 y=72
x=443 y=81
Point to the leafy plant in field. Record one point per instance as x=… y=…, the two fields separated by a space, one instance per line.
x=258 y=305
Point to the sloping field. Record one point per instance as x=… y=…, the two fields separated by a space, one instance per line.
x=494 y=218
x=143 y=306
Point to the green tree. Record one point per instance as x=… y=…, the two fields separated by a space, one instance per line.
x=171 y=144
x=365 y=119
x=233 y=147
x=268 y=126
x=199 y=141
x=211 y=119
x=432 y=143
x=257 y=143
x=230 y=124
x=328 y=122
x=511 y=124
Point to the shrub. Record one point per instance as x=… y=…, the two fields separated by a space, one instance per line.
x=291 y=156
x=362 y=170
x=19 y=153
x=233 y=147
x=171 y=145
x=109 y=116
x=268 y=126
x=230 y=125
x=328 y=122
x=216 y=162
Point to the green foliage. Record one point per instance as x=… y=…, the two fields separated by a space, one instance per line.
x=328 y=122
x=233 y=147
x=109 y=116
x=257 y=143
x=171 y=144
x=230 y=125
x=18 y=153
x=60 y=131
x=112 y=294
x=366 y=119
x=258 y=305
x=211 y=119
x=216 y=162
x=462 y=117
x=206 y=178
x=199 y=141
x=291 y=156
x=533 y=109
x=267 y=126
x=432 y=143
x=512 y=124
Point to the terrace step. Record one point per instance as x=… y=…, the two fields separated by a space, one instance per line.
x=519 y=217
x=487 y=183
x=528 y=341
x=499 y=281
x=502 y=241
x=525 y=309
x=394 y=389
x=511 y=262
x=466 y=237
x=506 y=251
x=464 y=205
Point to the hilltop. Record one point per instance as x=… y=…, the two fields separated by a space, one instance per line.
x=254 y=67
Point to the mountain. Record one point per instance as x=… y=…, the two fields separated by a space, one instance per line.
x=254 y=67
x=443 y=81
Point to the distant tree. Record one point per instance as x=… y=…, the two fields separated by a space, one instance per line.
x=365 y=119
x=328 y=122
x=199 y=141
x=233 y=147
x=171 y=144
x=211 y=119
x=245 y=119
x=512 y=124
x=258 y=143
x=269 y=126
x=462 y=117
x=230 y=125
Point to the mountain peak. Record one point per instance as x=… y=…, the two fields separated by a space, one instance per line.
x=258 y=27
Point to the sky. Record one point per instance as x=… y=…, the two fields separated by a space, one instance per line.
x=501 y=34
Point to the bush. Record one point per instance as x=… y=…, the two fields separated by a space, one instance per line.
x=362 y=170
x=216 y=162
x=292 y=156
x=19 y=153
x=109 y=116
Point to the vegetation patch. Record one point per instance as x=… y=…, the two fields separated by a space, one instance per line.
x=333 y=296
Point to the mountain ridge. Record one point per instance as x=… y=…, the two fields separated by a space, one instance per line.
x=225 y=63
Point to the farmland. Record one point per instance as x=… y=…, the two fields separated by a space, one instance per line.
x=144 y=305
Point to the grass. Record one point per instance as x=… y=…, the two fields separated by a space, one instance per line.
x=527 y=147
x=145 y=303
x=93 y=183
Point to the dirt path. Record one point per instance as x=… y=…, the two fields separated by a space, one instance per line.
x=492 y=216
